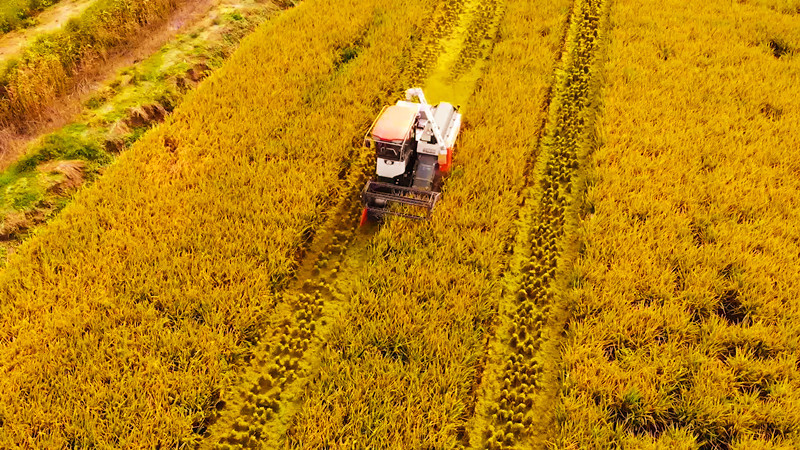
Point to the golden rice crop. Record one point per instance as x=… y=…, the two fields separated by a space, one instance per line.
x=400 y=364
x=685 y=300
x=122 y=320
x=256 y=410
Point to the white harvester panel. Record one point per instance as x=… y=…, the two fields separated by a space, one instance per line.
x=390 y=169
x=444 y=115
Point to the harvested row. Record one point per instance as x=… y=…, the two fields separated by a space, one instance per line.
x=256 y=411
x=685 y=324
x=124 y=319
x=48 y=68
x=517 y=402
x=443 y=18
x=478 y=30
x=405 y=351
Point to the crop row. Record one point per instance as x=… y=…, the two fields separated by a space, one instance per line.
x=403 y=355
x=685 y=299
x=442 y=21
x=126 y=317
x=480 y=27
x=285 y=362
x=554 y=194
x=48 y=67
x=254 y=416
x=270 y=392
x=279 y=365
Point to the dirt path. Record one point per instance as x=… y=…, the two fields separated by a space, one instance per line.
x=50 y=19
x=68 y=107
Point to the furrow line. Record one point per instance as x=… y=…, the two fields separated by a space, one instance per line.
x=478 y=30
x=525 y=355
x=258 y=412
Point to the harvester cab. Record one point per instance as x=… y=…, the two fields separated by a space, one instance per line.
x=413 y=143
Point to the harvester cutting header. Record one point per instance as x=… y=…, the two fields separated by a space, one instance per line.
x=413 y=143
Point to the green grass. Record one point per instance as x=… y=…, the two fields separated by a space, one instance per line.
x=22 y=193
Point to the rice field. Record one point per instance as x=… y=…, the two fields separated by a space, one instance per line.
x=610 y=264
x=683 y=301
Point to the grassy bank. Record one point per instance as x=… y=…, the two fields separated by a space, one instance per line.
x=16 y=14
x=39 y=184
x=48 y=67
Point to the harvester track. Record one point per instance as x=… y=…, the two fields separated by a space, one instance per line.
x=258 y=412
x=521 y=380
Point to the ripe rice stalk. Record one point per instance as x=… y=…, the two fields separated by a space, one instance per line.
x=125 y=318
x=403 y=356
x=684 y=319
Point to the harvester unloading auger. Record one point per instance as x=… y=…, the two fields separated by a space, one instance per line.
x=413 y=144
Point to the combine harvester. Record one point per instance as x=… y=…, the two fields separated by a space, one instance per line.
x=413 y=143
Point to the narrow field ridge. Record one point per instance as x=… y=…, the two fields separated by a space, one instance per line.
x=49 y=19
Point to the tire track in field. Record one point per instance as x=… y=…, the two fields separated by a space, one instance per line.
x=259 y=412
x=516 y=408
x=477 y=32
x=463 y=54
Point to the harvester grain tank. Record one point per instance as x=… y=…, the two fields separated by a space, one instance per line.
x=413 y=143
